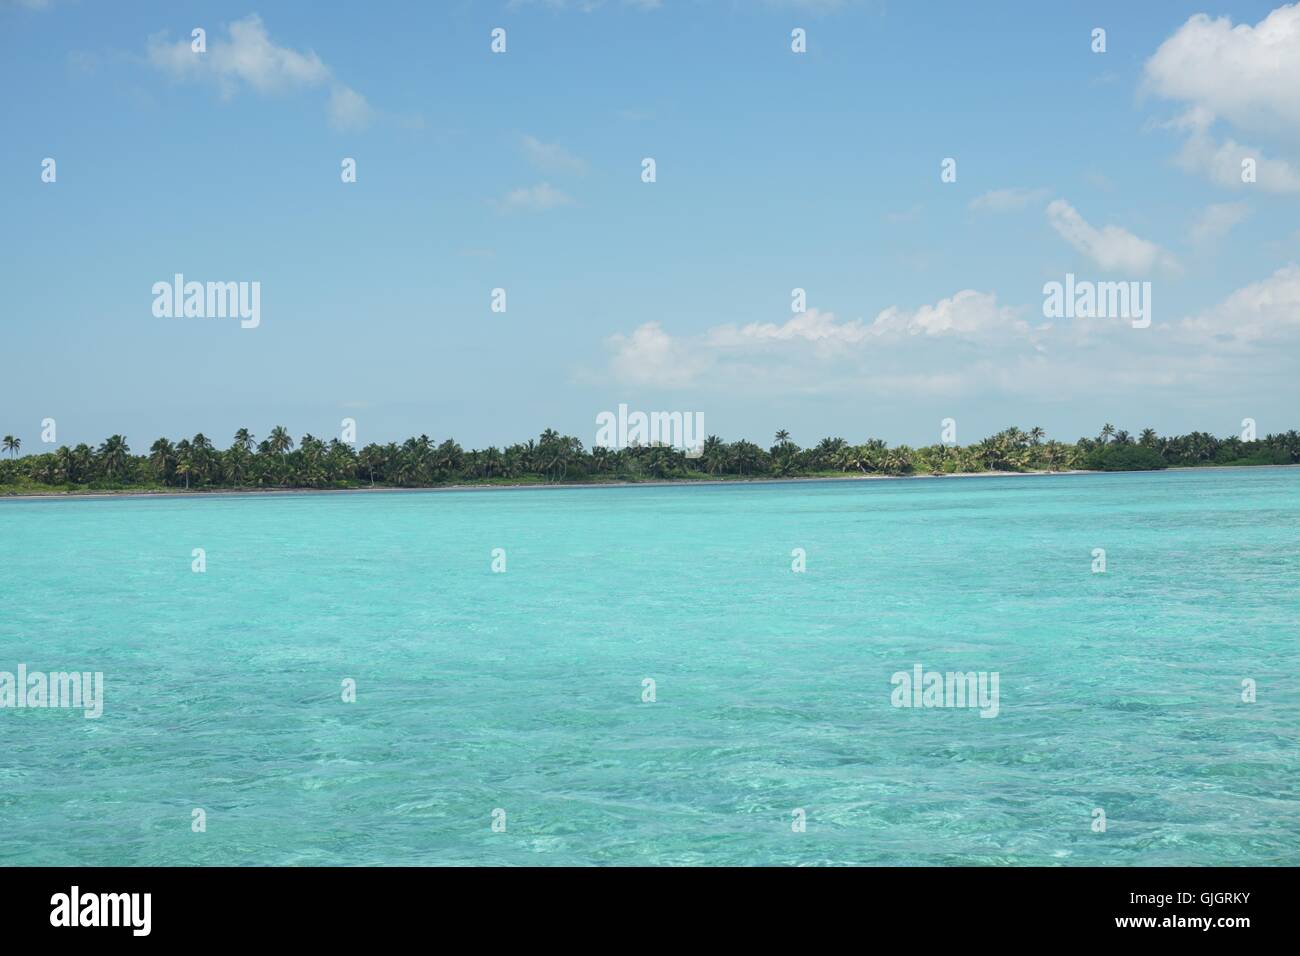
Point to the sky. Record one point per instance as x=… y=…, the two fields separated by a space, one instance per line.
x=523 y=171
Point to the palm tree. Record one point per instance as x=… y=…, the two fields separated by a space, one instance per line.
x=714 y=455
x=490 y=462
x=113 y=453
x=938 y=456
x=45 y=470
x=664 y=461
x=512 y=464
x=184 y=459
x=65 y=462
x=236 y=465
x=371 y=460
x=201 y=457
x=407 y=471
x=746 y=456
x=341 y=461
x=869 y=456
x=554 y=456
x=162 y=456
x=83 y=460
x=449 y=457
x=826 y=451
x=280 y=441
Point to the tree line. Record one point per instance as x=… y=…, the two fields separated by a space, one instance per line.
x=278 y=461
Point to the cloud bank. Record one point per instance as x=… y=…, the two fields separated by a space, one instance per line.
x=247 y=59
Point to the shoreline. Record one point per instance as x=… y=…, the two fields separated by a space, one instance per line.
x=657 y=483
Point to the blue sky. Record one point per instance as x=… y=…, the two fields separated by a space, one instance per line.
x=775 y=170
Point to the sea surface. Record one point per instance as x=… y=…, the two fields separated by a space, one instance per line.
x=523 y=691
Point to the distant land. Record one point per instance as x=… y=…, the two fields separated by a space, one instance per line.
x=277 y=462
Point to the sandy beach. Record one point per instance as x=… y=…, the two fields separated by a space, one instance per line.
x=462 y=486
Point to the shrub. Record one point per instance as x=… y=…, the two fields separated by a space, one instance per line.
x=1124 y=458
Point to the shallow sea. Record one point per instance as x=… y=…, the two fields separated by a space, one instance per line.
x=524 y=691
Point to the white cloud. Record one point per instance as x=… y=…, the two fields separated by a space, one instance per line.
x=537 y=198
x=798 y=353
x=348 y=109
x=970 y=345
x=552 y=158
x=248 y=59
x=1007 y=200
x=968 y=314
x=1217 y=220
x=1112 y=248
x=650 y=356
x=1264 y=311
x=1247 y=75
x=814 y=327
x=1221 y=163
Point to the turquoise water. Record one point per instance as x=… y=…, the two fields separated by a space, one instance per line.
x=523 y=690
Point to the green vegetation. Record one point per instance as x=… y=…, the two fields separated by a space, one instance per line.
x=1124 y=458
x=279 y=462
